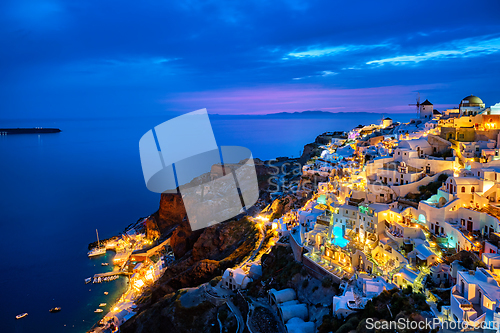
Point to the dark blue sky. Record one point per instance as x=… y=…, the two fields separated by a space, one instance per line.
x=76 y=58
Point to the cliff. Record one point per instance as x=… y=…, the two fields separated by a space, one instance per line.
x=172 y=217
x=171 y=211
x=283 y=205
x=310 y=150
x=215 y=248
x=169 y=314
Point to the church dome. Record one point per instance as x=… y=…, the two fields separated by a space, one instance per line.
x=472 y=101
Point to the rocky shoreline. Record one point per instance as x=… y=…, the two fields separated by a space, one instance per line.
x=202 y=255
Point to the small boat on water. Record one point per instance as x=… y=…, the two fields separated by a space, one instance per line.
x=102 y=304
x=98 y=310
x=98 y=250
x=22 y=315
x=104 y=264
x=56 y=309
x=105 y=293
x=88 y=280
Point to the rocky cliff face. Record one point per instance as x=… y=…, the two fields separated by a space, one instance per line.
x=169 y=315
x=310 y=150
x=216 y=248
x=282 y=206
x=171 y=211
x=172 y=215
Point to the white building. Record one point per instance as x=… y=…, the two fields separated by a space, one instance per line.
x=471 y=105
x=234 y=279
x=475 y=297
x=426 y=109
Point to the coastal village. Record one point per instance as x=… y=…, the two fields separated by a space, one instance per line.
x=377 y=216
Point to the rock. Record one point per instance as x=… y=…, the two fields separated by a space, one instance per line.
x=152 y=231
x=171 y=211
x=280 y=206
x=310 y=150
x=183 y=239
x=216 y=240
x=170 y=215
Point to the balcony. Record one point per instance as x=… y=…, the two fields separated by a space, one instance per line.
x=324 y=219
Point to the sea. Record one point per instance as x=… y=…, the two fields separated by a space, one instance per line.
x=57 y=189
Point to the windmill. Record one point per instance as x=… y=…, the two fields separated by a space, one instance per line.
x=417 y=104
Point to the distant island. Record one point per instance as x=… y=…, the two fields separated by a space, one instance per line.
x=35 y=130
x=300 y=114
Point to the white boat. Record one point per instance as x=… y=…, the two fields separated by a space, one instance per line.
x=22 y=315
x=104 y=264
x=102 y=304
x=88 y=280
x=98 y=310
x=105 y=293
x=97 y=250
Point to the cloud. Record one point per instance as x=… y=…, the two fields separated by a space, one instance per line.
x=316 y=52
x=464 y=48
x=320 y=74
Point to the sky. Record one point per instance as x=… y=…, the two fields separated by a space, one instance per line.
x=108 y=58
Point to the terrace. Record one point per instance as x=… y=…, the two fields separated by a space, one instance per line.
x=401 y=230
x=336 y=263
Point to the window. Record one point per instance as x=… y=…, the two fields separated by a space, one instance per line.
x=472 y=189
x=463 y=189
x=461 y=136
x=399 y=153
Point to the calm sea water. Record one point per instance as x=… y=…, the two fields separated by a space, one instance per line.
x=56 y=189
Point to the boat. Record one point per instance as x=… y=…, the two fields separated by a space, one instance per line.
x=56 y=309
x=22 y=315
x=105 y=293
x=88 y=280
x=104 y=264
x=98 y=250
x=102 y=304
x=98 y=310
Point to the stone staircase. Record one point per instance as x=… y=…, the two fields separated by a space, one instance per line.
x=418 y=284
